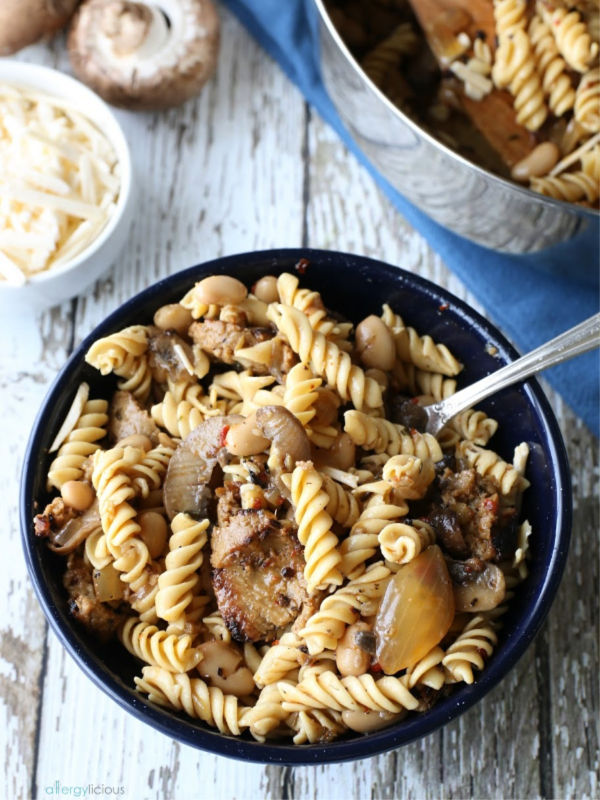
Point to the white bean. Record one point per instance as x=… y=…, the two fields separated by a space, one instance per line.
x=537 y=163
x=221 y=290
x=77 y=494
x=375 y=343
x=349 y=657
x=266 y=289
x=244 y=440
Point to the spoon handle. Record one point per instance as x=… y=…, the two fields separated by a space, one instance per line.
x=577 y=340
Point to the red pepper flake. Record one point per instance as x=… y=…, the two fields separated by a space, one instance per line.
x=275 y=642
x=258 y=504
x=279 y=502
x=414 y=400
x=444 y=306
x=376 y=667
x=224 y=432
x=302 y=265
x=491 y=503
x=414 y=433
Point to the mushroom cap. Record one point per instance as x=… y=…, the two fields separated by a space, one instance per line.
x=23 y=22
x=145 y=56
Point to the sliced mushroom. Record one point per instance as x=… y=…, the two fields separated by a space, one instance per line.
x=145 y=55
x=23 y=22
x=169 y=356
x=187 y=483
x=478 y=585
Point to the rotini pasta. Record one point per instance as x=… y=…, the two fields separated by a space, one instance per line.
x=314 y=528
x=80 y=444
x=193 y=696
x=571 y=34
x=515 y=69
x=170 y=652
x=325 y=358
x=556 y=83
x=469 y=650
x=383 y=436
x=401 y=542
x=421 y=351
x=177 y=583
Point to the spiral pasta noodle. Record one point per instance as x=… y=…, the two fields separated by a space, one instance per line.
x=311 y=304
x=571 y=34
x=192 y=695
x=400 y=542
x=510 y=16
x=427 y=670
x=113 y=486
x=80 y=444
x=418 y=381
x=279 y=659
x=325 y=358
x=571 y=186
x=421 y=351
x=389 y=52
x=488 y=463
x=556 y=83
x=352 y=693
x=300 y=393
x=324 y=628
x=124 y=354
x=468 y=651
x=314 y=528
x=177 y=583
x=158 y=648
x=515 y=69
x=362 y=542
x=410 y=476
x=587 y=101
x=343 y=506
x=474 y=425
x=383 y=436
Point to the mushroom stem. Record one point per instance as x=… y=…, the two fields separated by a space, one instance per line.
x=134 y=28
x=144 y=55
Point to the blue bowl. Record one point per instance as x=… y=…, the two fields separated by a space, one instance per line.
x=356 y=286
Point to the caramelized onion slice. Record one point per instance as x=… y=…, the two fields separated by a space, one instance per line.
x=75 y=531
x=415 y=613
x=191 y=467
x=108 y=585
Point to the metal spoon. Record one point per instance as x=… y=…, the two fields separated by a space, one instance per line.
x=577 y=340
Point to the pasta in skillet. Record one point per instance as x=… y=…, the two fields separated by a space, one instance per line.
x=544 y=54
x=256 y=493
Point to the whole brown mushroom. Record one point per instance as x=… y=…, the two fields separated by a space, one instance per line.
x=23 y=22
x=145 y=56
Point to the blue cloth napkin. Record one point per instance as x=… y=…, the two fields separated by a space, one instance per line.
x=531 y=297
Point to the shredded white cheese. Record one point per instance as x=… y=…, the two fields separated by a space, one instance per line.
x=59 y=182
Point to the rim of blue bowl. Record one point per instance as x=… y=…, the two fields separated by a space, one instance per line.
x=194 y=733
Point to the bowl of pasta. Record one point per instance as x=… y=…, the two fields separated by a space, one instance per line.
x=238 y=529
x=484 y=115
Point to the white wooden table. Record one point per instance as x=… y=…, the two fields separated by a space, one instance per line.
x=249 y=166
